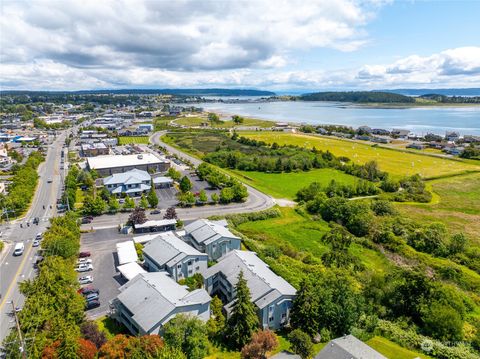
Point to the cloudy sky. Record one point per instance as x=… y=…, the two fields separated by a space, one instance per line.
x=267 y=44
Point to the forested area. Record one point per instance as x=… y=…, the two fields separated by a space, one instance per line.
x=358 y=96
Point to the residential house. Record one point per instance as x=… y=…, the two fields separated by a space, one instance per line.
x=271 y=294
x=168 y=252
x=211 y=237
x=348 y=347
x=452 y=136
x=150 y=300
x=132 y=183
x=398 y=133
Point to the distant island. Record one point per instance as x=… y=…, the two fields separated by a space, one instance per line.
x=379 y=97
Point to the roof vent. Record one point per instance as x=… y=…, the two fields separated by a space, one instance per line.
x=140 y=157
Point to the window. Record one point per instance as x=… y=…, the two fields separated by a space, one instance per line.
x=197 y=259
x=270 y=319
x=284 y=315
x=197 y=268
x=189 y=263
x=190 y=271
x=179 y=266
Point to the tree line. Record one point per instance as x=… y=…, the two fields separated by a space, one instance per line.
x=22 y=186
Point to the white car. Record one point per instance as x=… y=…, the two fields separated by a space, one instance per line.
x=84 y=268
x=36 y=243
x=84 y=261
x=86 y=279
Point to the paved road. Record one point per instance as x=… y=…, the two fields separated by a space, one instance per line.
x=16 y=269
x=256 y=201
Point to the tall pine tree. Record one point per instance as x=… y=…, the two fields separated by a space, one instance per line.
x=244 y=320
x=152 y=196
x=304 y=314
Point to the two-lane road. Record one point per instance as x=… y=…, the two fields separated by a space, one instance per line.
x=16 y=269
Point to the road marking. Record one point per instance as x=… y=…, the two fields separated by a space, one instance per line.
x=14 y=281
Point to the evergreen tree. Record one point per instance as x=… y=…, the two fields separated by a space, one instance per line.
x=143 y=202
x=152 y=197
x=244 y=320
x=304 y=313
x=185 y=184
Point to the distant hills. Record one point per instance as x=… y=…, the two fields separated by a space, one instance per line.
x=178 y=92
x=444 y=92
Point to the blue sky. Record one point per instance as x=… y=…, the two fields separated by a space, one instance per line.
x=270 y=44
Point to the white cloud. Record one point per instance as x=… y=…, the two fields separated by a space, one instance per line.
x=191 y=43
x=178 y=36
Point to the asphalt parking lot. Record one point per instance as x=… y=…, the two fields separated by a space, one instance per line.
x=101 y=245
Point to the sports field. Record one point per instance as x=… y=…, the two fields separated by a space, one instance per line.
x=286 y=185
x=397 y=163
x=127 y=140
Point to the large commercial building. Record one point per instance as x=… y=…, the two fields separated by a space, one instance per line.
x=108 y=165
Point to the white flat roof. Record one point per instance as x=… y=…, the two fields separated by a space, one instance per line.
x=130 y=270
x=114 y=161
x=126 y=252
x=157 y=223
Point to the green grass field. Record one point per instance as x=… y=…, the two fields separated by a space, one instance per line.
x=458 y=205
x=302 y=237
x=395 y=162
x=128 y=140
x=392 y=350
x=286 y=185
x=198 y=120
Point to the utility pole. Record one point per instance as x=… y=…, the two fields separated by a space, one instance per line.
x=17 y=323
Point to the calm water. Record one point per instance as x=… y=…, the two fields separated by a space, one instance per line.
x=423 y=120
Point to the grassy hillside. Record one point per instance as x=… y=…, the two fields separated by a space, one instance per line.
x=458 y=205
x=395 y=162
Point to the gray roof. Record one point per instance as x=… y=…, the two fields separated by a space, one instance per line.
x=205 y=232
x=265 y=286
x=130 y=177
x=348 y=347
x=152 y=297
x=167 y=249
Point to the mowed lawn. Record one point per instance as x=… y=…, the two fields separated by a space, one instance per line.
x=458 y=205
x=286 y=185
x=127 y=140
x=395 y=162
x=392 y=350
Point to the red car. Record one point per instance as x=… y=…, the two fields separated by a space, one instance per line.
x=88 y=290
x=84 y=254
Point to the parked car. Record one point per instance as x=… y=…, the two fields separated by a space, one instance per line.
x=84 y=268
x=84 y=254
x=36 y=243
x=88 y=290
x=84 y=261
x=36 y=220
x=86 y=220
x=49 y=180
x=85 y=279
x=156 y=211
x=39 y=236
x=91 y=296
x=92 y=304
